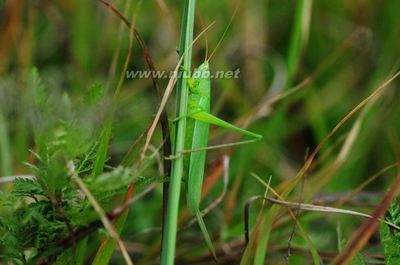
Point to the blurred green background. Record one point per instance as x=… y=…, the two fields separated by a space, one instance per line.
x=56 y=73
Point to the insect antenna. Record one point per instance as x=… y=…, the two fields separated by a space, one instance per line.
x=225 y=31
x=205 y=37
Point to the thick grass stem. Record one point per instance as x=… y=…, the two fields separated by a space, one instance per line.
x=169 y=233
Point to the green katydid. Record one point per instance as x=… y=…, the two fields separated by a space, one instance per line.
x=197 y=131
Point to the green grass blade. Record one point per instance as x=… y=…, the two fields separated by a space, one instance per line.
x=5 y=155
x=170 y=229
x=299 y=36
x=81 y=251
x=314 y=253
x=266 y=228
x=107 y=248
x=101 y=156
x=81 y=41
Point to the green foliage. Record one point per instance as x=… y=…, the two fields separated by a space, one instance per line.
x=389 y=237
x=36 y=212
x=41 y=211
x=27 y=187
x=27 y=228
x=94 y=94
x=111 y=181
x=58 y=69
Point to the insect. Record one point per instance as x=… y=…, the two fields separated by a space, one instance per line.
x=199 y=119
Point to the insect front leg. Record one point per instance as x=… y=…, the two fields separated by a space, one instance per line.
x=177 y=119
x=190 y=80
x=192 y=84
x=173 y=157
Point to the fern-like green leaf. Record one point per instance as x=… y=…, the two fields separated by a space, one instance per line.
x=391 y=239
